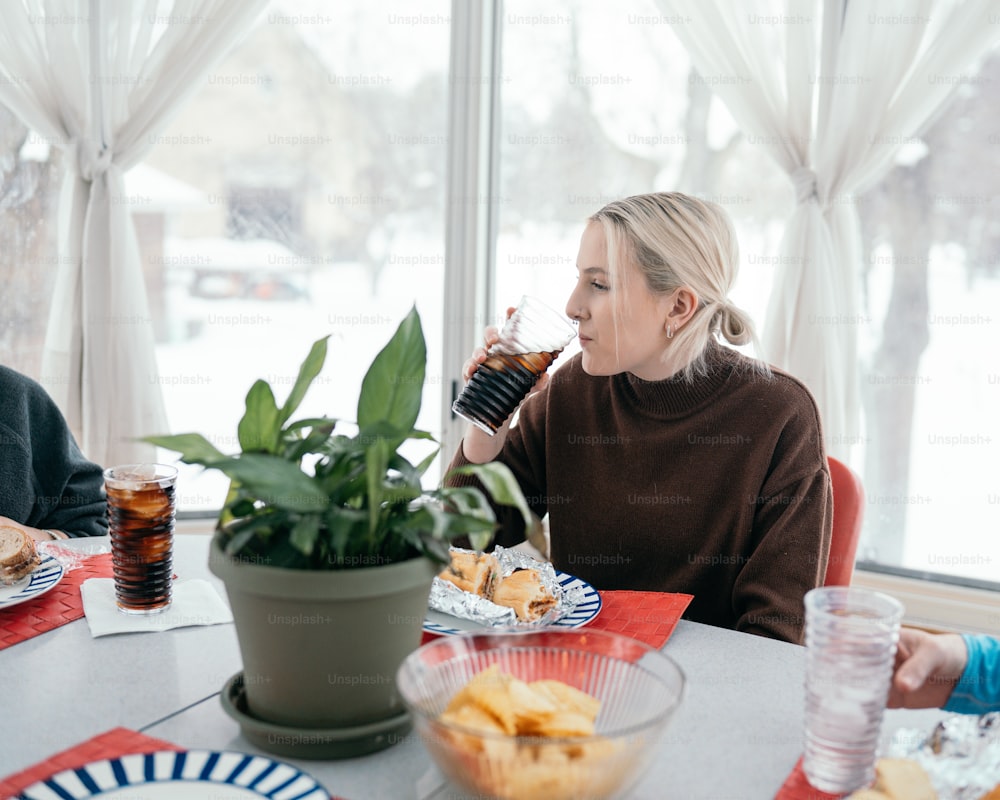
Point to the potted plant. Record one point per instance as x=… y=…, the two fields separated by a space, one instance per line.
x=327 y=544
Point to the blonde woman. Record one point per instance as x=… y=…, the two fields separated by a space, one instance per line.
x=666 y=460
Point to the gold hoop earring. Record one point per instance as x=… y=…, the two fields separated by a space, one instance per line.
x=670 y=332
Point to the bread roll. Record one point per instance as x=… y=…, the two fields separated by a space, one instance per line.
x=898 y=779
x=901 y=778
x=18 y=557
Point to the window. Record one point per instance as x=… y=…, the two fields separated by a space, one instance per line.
x=583 y=124
x=301 y=193
x=309 y=201
x=930 y=327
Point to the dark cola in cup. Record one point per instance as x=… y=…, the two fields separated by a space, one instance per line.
x=141 y=510
x=529 y=342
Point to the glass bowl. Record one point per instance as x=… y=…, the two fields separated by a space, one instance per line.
x=638 y=687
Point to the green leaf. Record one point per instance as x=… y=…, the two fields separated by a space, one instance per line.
x=275 y=481
x=480 y=540
x=241 y=507
x=238 y=541
x=431 y=527
x=501 y=484
x=468 y=501
x=233 y=506
x=310 y=368
x=193 y=447
x=405 y=472
x=305 y=533
x=258 y=430
x=424 y=465
x=313 y=443
x=326 y=423
x=393 y=386
x=429 y=518
x=435 y=549
x=240 y=533
x=376 y=462
x=341 y=524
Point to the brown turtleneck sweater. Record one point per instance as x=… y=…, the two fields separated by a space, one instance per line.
x=717 y=488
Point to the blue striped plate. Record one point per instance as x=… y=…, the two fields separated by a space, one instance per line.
x=588 y=608
x=198 y=774
x=44 y=577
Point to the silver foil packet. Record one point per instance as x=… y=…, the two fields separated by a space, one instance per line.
x=961 y=755
x=449 y=599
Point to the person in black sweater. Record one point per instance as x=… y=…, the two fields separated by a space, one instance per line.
x=47 y=487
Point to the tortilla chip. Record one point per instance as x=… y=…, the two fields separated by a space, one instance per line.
x=569 y=698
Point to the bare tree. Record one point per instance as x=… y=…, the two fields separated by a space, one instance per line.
x=702 y=168
x=940 y=197
x=889 y=382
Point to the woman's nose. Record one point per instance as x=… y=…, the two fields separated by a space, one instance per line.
x=574 y=309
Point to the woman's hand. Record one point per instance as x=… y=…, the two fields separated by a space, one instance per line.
x=38 y=534
x=928 y=667
x=478 y=446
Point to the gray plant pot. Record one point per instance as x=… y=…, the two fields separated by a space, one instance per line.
x=320 y=652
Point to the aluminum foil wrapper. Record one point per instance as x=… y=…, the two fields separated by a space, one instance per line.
x=961 y=754
x=449 y=599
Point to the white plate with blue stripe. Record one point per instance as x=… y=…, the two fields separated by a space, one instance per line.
x=39 y=581
x=196 y=774
x=583 y=612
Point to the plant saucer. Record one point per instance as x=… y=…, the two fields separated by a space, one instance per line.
x=311 y=743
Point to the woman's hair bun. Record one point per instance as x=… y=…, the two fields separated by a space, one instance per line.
x=734 y=325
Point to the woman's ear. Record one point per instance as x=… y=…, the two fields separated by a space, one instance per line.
x=681 y=306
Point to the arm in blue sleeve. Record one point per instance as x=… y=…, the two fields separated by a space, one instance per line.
x=978 y=690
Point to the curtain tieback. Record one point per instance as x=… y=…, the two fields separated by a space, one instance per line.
x=88 y=163
x=804 y=181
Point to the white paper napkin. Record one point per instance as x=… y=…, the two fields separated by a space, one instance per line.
x=194 y=602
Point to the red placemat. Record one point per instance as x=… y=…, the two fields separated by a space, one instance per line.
x=649 y=617
x=59 y=605
x=111 y=744
x=796 y=787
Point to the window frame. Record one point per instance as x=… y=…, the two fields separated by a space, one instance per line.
x=471 y=180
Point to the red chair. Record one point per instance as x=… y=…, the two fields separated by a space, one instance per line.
x=848 y=512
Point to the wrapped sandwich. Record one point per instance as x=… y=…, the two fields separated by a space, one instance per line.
x=524 y=592
x=507 y=587
x=472 y=572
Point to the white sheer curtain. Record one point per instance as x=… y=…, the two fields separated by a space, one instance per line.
x=99 y=78
x=829 y=90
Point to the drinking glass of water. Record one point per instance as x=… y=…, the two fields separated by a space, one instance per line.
x=851 y=637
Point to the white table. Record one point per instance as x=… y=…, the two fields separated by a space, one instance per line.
x=737 y=734
x=66 y=686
